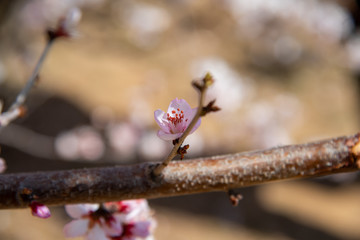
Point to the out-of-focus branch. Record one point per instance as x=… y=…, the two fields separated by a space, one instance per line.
x=65 y=28
x=28 y=141
x=16 y=109
x=21 y=97
x=217 y=173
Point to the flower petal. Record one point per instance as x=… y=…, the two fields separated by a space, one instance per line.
x=128 y=238
x=72 y=19
x=141 y=229
x=76 y=228
x=96 y=233
x=168 y=136
x=179 y=103
x=115 y=228
x=150 y=238
x=68 y=24
x=137 y=208
x=80 y=210
x=197 y=125
x=160 y=118
x=190 y=114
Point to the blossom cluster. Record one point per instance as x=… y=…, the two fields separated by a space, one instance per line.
x=123 y=220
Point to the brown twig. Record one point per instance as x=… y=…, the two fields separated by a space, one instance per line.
x=202 y=87
x=182 y=177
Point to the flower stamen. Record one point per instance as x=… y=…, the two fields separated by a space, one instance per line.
x=178 y=118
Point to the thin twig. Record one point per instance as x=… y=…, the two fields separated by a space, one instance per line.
x=202 y=91
x=218 y=173
x=21 y=97
x=15 y=109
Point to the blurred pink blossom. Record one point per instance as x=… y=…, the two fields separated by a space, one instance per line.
x=91 y=221
x=2 y=165
x=123 y=220
x=174 y=122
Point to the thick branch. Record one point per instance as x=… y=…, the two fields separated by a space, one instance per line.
x=182 y=177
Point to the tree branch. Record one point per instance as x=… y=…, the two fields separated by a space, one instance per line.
x=218 y=173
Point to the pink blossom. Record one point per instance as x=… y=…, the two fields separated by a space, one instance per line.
x=92 y=221
x=174 y=122
x=122 y=220
x=39 y=210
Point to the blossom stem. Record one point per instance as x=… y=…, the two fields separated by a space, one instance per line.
x=217 y=173
x=15 y=108
x=158 y=169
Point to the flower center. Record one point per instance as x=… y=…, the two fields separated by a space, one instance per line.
x=176 y=116
x=102 y=212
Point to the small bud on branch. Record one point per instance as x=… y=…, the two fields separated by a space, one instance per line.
x=183 y=150
x=210 y=108
x=234 y=197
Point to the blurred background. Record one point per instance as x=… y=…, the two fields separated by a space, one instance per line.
x=286 y=72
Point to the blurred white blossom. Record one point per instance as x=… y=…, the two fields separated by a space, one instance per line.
x=145 y=23
x=80 y=143
x=123 y=138
x=267 y=124
x=352 y=49
x=141 y=113
x=38 y=15
x=2 y=165
x=153 y=148
x=196 y=143
x=323 y=18
x=69 y=23
x=287 y=50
